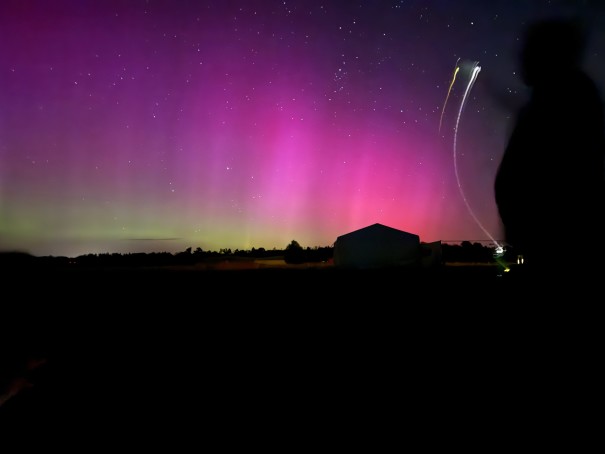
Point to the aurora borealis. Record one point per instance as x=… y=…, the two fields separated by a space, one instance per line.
x=140 y=126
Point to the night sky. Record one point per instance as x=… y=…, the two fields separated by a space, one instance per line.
x=153 y=126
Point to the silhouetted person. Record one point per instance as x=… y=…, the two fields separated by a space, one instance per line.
x=550 y=186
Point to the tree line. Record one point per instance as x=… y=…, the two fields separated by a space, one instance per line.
x=293 y=253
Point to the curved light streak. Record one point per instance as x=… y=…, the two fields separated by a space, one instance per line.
x=473 y=77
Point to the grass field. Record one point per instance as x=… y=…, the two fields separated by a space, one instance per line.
x=138 y=357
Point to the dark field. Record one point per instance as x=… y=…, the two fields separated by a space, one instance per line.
x=175 y=358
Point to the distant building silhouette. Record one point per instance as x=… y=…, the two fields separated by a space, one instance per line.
x=380 y=246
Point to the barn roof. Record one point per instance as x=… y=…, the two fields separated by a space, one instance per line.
x=379 y=230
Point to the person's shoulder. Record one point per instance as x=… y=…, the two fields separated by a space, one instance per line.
x=585 y=83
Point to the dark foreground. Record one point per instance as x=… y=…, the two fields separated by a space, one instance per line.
x=285 y=359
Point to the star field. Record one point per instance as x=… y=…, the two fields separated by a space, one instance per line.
x=148 y=126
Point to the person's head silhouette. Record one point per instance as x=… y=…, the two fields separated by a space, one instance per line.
x=551 y=48
x=550 y=185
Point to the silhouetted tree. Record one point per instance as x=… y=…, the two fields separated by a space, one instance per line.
x=467 y=252
x=294 y=253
